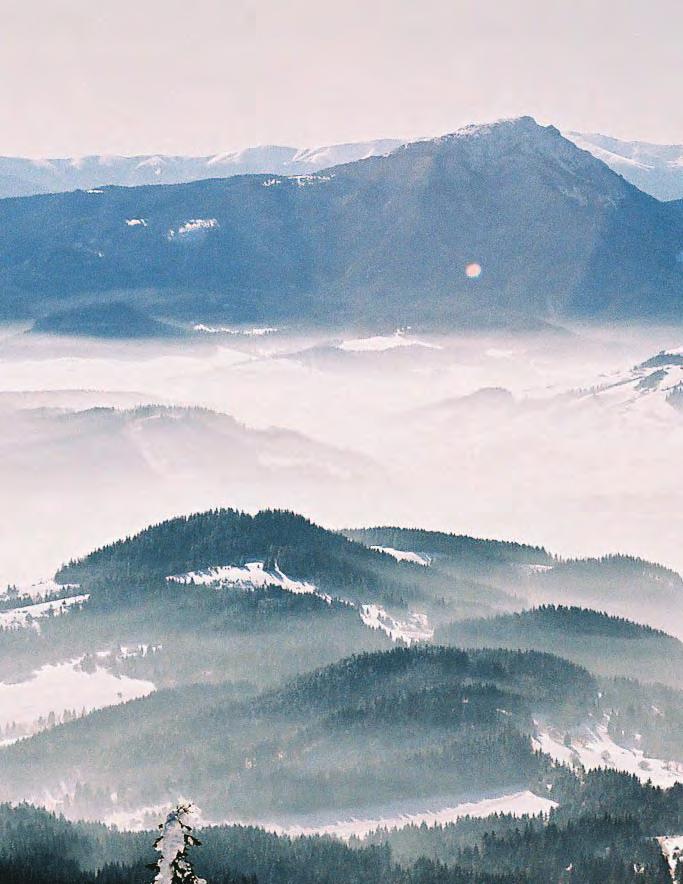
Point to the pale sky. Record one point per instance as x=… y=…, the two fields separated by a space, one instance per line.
x=202 y=76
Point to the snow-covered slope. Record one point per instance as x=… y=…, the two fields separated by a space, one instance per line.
x=651 y=388
x=593 y=747
x=655 y=168
x=398 y=816
x=672 y=848
x=31 y=615
x=55 y=689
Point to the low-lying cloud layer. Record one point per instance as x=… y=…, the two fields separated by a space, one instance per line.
x=551 y=439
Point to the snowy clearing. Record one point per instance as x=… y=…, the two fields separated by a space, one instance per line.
x=250 y=576
x=58 y=687
x=672 y=848
x=415 y=629
x=42 y=588
x=517 y=803
x=595 y=748
x=394 y=816
x=20 y=618
x=402 y=555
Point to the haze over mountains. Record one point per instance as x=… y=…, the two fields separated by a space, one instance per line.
x=463 y=358
x=500 y=224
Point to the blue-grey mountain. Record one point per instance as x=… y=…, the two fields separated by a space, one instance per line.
x=387 y=239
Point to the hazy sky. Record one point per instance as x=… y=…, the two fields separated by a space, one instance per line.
x=200 y=76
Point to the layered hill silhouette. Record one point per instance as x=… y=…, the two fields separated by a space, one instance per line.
x=508 y=222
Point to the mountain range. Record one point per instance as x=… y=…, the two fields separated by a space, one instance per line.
x=24 y=177
x=169 y=629
x=508 y=223
x=656 y=169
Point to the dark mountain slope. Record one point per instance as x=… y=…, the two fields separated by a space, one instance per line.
x=607 y=645
x=112 y=320
x=556 y=232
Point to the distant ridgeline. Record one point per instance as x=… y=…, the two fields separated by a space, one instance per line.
x=551 y=232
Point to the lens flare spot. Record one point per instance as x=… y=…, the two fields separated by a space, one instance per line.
x=473 y=270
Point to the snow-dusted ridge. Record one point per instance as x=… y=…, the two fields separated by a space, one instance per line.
x=401 y=814
x=646 y=388
x=40 y=590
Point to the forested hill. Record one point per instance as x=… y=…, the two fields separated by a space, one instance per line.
x=607 y=645
x=407 y=724
x=277 y=538
x=447 y=576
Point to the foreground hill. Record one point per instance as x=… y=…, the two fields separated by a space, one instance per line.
x=182 y=660
x=585 y=834
x=607 y=645
x=545 y=229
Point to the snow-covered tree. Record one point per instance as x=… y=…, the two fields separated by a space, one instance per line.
x=173 y=865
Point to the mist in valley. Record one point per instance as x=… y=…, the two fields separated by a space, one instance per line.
x=547 y=438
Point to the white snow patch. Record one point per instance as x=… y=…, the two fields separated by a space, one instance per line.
x=402 y=555
x=61 y=686
x=379 y=343
x=253 y=575
x=19 y=618
x=227 y=330
x=415 y=629
x=536 y=569
x=595 y=748
x=303 y=180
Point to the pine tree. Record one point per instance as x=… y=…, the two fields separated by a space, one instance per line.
x=173 y=865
